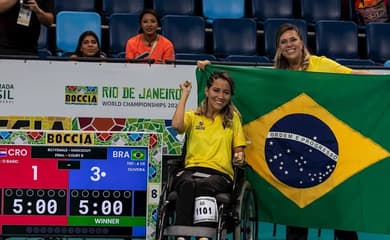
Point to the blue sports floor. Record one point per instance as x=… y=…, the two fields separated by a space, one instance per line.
x=266 y=232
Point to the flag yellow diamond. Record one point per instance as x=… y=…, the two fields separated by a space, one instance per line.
x=352 y=151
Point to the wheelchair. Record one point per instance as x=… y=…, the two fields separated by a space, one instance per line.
x=237 y=211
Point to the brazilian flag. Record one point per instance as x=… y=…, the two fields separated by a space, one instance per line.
x=138 y=154
x=318 y=145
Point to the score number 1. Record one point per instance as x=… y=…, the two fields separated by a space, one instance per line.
x=35 y=172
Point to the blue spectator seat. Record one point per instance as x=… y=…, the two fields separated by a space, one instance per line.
x=271 y=27
x=337 y=39
x=234 y=37
x=70 y=25
x=264 y=9
x=387 y=63
x=43 y=48
x=315 y=10
x=75 y=5
x=247 y=59
x=195 y=56
x=356 y=62
x=378 y=41
x=187 y=33
x=213 y=9
x=122 y=26
x=168 y=7
x=121 y=6
x=43 y=53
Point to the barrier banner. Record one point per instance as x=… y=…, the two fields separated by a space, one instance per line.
x=103 y=96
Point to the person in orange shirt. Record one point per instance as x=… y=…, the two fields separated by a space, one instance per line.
x=149 y=44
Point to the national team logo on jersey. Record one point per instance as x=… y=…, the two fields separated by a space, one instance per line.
x=200 y=126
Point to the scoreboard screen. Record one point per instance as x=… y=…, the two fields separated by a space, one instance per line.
x=78 y=183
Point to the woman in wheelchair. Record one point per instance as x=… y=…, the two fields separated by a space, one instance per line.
x=214 y=133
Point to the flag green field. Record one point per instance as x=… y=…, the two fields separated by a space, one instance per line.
x=318 y=145
x=138 y=154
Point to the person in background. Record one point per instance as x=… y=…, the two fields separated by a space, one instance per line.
x=366 y=11
x=214 y=135
x=20 y=25
x=291 y=53
x=88 y=46
x=149 y=44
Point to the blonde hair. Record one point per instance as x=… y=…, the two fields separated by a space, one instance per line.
x=228 y=111
x=280 y=61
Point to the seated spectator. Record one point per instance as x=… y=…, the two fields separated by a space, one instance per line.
x=367 y=11
x=149 y=44
x=20 y=25
x=88 y=46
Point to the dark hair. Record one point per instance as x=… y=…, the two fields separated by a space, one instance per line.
x=222 y=75
x=147 y=11
x=228 y=111
x=279 y=59
x=284 y=28
x=81 y=39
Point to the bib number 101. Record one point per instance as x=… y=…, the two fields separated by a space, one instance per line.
x=206 y=209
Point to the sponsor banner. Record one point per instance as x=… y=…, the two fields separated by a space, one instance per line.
x=90 y=89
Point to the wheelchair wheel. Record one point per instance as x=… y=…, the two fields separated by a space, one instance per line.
x=162 y=216
x=247 y=214
x=161 y=223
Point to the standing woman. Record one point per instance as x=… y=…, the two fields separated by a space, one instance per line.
x=149 y=44
x=88 y=46
x=214 y=135
x=291 y=53
x=20 y=25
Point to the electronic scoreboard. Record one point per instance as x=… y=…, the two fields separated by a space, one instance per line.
x=77 y=183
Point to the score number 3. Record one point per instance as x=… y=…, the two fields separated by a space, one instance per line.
x=97 y=174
